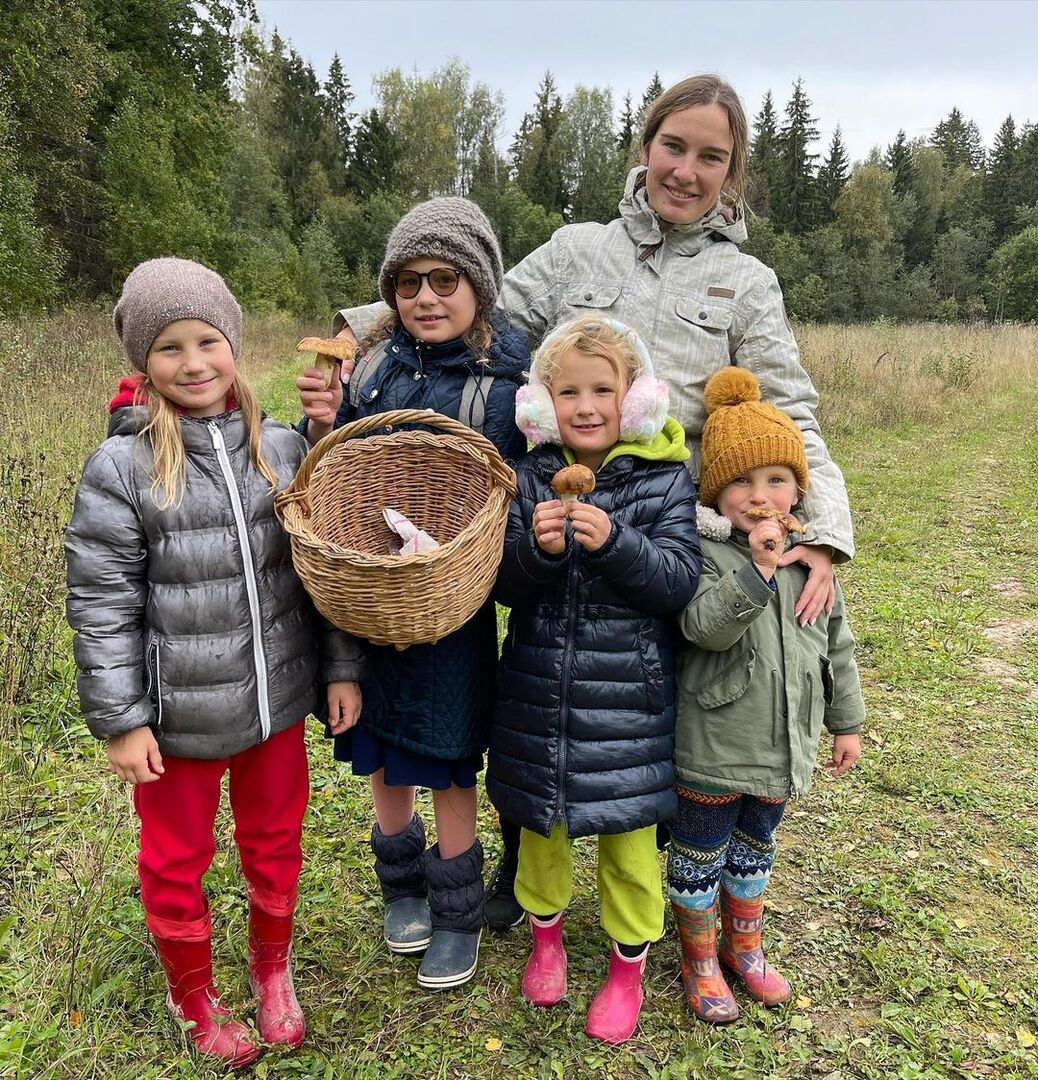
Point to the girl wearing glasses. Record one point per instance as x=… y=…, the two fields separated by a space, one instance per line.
x=426 y=710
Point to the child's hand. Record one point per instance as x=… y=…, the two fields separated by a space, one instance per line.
x=846 y=751
x=765 y=532
x=591 y=526
x=343 y=706
x=319 y=400
x=549 y=526
x=134 y=756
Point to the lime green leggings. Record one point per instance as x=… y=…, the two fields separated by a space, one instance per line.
x=628 y=880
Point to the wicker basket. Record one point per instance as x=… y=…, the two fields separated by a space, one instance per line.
x=455 y=486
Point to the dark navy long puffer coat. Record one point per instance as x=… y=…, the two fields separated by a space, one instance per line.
x=437 y=699
x=584 y=725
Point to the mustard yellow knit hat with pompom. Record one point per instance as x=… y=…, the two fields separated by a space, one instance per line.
x=743 y=433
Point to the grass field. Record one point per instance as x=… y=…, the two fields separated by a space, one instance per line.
x=904 y=897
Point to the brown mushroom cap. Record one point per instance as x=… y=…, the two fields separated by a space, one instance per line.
x=762 y=513
x=338 y=348
x=573 y=480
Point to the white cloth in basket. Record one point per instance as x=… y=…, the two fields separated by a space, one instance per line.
x=414 y=539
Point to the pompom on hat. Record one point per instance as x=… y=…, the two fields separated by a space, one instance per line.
x=161 y=291
x=448 y=228
x=743 y=433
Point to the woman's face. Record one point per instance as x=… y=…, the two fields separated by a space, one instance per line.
x=688 y=161
x=433 y=318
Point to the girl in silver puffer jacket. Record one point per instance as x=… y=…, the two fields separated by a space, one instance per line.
x=197 y=647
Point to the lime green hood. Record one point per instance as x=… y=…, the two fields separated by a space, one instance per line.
x=669 y=445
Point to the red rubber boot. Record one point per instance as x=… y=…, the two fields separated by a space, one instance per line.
x=188 y=963
x=614 y=1013
x=741 y=949
x=544 y=980
x=278 y=1015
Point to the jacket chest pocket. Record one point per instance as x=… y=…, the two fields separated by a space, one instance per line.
x=708 y=326
x=587 y=298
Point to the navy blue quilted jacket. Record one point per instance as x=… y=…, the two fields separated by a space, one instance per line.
x=437 y=699
x=584 y=724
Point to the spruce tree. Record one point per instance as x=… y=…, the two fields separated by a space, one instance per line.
x=536 y=155
x=795 y=206
x=831 y=178
x=764 y=158
x=652 y=92
x=375 y=157
x=1001 y=186
x=1027 y=167
x=899 y=161
x=627 y=132
x=960 y=142
x=338 y=97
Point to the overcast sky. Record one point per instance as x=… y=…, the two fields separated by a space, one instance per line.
x=871 y=66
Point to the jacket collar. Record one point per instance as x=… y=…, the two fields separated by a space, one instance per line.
x=507 y=356
x=712 y=525
x=648 y=232
x=131 y=420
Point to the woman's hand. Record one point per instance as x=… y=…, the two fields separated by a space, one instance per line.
x=591 y=525
x=134 y=756
x=820 y=589
x=549 y=526
x=846 y=751
x=344 y=703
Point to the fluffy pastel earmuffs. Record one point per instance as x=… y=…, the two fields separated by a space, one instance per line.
x=643 y=410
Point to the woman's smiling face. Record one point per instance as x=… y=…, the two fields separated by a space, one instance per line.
x=688 y=160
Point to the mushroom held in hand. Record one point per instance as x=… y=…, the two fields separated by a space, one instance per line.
x=787 y=521
x=327 y=350
x=571 y=482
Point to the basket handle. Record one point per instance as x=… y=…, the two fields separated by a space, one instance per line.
x=502 y=474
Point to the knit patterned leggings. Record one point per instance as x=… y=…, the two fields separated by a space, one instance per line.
x=725 y=838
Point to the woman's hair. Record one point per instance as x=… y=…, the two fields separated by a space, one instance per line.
x=478 y=336
x=590 y=336
x=706 y=90
x=167 y=441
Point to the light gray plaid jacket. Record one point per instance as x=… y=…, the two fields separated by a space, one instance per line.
x=698 y=303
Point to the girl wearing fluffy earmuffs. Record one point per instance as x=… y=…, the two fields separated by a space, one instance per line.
x=583 y=731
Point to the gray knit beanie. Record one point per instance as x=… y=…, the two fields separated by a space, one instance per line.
x=452 y=229
x=161 y=291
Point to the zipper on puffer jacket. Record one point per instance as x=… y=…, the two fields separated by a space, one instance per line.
x=156 y=667
x=258 y=657
x=573 y=587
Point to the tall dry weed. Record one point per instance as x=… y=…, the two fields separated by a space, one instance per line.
x=887 y=374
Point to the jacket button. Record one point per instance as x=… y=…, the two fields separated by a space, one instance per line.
x=417 y=376
x=702 y=314
x=587 y=296
x=374 y=394
x=396 y=348
x=388 y=429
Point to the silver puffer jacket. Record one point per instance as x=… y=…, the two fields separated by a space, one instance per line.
x=192 y=619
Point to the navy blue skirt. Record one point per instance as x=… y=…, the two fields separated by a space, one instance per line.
x=367 y=754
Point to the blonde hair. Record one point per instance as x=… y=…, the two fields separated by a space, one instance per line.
x=590 y=335
x=164 y=433
x=706 y=90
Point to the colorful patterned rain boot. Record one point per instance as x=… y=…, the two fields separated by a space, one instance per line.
x=741 y=950
x=544 y=980
x=706 y=991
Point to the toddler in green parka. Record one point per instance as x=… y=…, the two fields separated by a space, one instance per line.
x=754 y=689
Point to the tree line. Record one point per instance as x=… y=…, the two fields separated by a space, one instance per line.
x=129 y=131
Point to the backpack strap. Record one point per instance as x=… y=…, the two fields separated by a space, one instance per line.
x=474 y=397
x=365 y=369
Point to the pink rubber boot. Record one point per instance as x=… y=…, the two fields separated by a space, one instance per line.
x=614 y=1013
x=544 y=980
x=278 y=1015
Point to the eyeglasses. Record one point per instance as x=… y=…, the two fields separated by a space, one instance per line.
x=443 y=280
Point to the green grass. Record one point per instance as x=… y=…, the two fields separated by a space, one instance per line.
x=904 y=897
